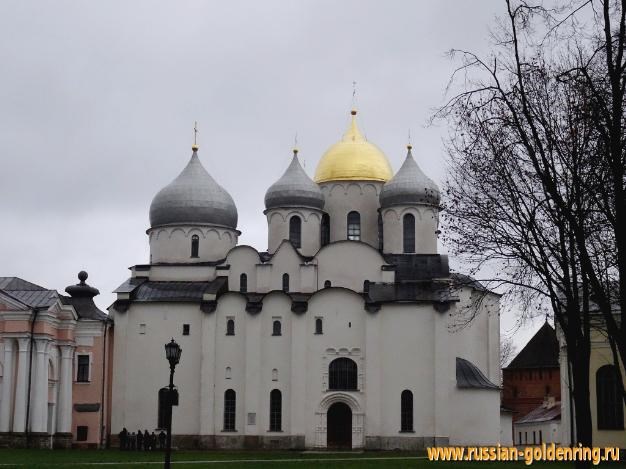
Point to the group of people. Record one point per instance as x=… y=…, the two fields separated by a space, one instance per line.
x=141 y=441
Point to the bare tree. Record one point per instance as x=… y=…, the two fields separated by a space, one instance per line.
x=507 y=351
x=531 y=179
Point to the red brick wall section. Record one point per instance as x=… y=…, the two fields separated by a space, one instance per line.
x=525 y=389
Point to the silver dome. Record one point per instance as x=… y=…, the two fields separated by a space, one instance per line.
x=294 y=189
x=193 y=197
x=409 y=186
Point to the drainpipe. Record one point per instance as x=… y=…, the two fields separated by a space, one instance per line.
x=30 y=374
x=104 y=367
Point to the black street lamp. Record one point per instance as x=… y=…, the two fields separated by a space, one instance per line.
x=172 y=353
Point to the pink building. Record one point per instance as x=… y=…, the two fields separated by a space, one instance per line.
x=54 y=366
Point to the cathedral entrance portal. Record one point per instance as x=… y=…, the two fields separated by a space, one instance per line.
x=339 y=426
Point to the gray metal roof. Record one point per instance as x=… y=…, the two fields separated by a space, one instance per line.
x=34 y=298
x=170 y=291
x=468 y=376
x=16 y=283
x=193 y=197
x=542 y=414
x=129 y=285
x=294 y=189
x=409 y=186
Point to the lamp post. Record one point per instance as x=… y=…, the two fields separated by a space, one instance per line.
x=172 y=353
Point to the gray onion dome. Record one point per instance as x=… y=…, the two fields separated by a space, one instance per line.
x=409 y=186
x=195 y=198
x=294 y=189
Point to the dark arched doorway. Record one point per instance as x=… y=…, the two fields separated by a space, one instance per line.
x=339 y=426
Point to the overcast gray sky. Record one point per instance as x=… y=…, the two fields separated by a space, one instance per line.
x=98 y=100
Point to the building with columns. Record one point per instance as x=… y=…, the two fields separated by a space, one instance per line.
x=342 y=333
x=53 y=365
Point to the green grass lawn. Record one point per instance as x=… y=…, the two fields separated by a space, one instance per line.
x=234 y=459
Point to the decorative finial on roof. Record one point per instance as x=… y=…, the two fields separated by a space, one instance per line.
x=408 y=145
x=195 y=146
x=295 y=145
x=82 y=276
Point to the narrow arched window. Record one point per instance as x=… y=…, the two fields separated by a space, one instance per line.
x=285 y=282
x=319 y=326
x=275 y=374
x=325 y=230
x=366 y=286
x=162 y=417
x=408 y=233
x=327 y=284
x=243 y=283
x=354 y=226
x=342 y=375
x=406 y=411
x=609 y=399
x=230 y=410
x=230 y=327
x=380 y=232
x=228 y=373
x=276 y=327
x=276 y=410
x=195 y=245
x=295 y=231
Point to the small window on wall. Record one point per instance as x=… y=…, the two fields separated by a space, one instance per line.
x=275 y=374
x=319 y=326
x=285 y=283
x=327 y=284
x=408 y=231
x=243 y=283
x=195 y=245
x=354 y=226
x=82 y=433
x=406 y=411
x=276 y=327
x=186 y=329
x=295 y=231
x=228 y=373
x=82 y=369
x=230 y=327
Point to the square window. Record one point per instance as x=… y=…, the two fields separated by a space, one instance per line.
x=81 y=433
x=185 y=329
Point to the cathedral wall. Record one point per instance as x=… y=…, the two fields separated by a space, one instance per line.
x=476 y=417
x=242 y=260
x=426 y=225
x=408 y=361
x=183 y=273
x=342 y=197
x=475 y=331
x=141 y=368
x=278 y=228
x=173 y=243
x=348 y=264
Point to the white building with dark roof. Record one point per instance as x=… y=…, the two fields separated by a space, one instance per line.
x=340 y=334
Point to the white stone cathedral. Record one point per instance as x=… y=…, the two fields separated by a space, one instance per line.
x=339 y=335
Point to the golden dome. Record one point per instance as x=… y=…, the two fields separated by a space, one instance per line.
x=353 y=159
